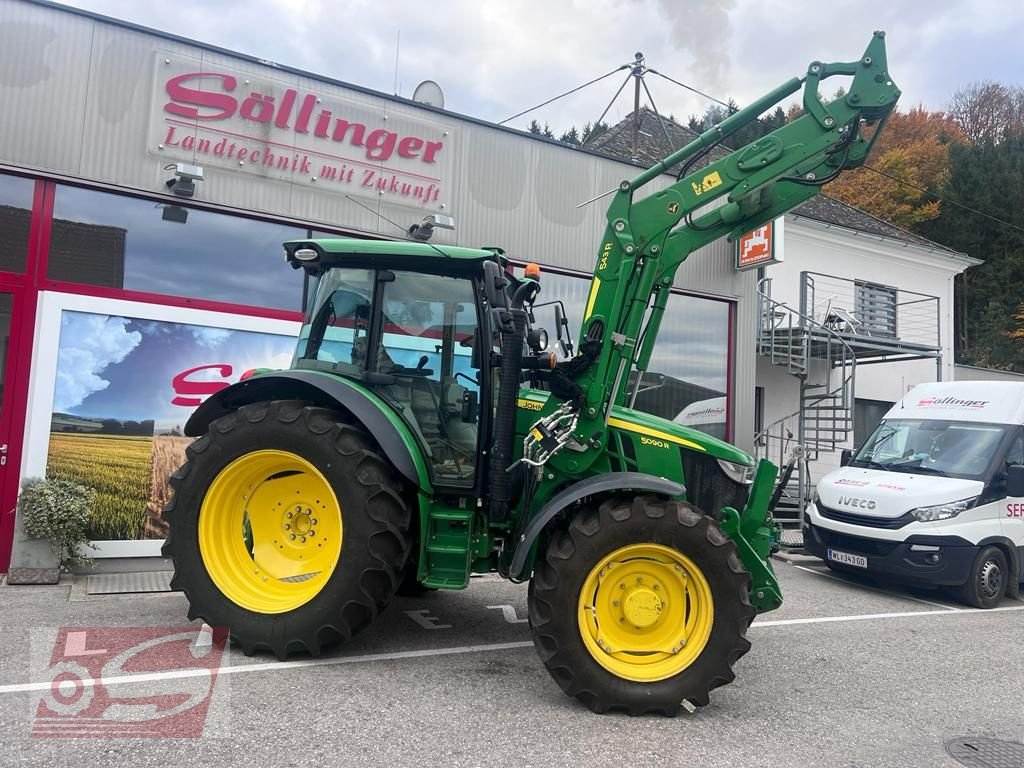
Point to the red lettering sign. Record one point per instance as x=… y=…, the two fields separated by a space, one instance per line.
x=185 y=101
x=191 y=393
x=1015 y=509
x=206 y=96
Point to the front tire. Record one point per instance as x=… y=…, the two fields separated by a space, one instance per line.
x=287 y=527
x=640 y=605
x=987 y=583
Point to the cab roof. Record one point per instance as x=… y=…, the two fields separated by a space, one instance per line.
x=339 y=249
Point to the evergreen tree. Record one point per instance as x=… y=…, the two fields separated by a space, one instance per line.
x=571 y=137
x=987 y=176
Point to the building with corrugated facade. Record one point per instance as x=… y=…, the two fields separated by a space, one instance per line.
x=124 y=300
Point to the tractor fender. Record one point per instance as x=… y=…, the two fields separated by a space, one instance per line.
x=610 y=481
x=395 y=440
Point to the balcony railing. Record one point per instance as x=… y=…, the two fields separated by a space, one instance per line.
x=870 y=310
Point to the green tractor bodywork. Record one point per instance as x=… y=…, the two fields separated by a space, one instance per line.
x=485 y=455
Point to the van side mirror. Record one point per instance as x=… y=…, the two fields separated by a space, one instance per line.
x=1015 y=480
x=845 y=457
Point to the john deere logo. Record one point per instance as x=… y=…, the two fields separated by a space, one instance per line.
x=673 y=208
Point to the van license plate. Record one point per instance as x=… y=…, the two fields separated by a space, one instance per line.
x=847 y=559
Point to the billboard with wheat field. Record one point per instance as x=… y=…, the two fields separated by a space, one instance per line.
x=125 y=388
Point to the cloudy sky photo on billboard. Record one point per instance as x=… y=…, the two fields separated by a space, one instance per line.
x=124 y=389
x=125 y=368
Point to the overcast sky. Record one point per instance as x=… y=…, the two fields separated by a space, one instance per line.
x=494 y=58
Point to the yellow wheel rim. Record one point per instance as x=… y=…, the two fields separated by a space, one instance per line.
x=270 y=531
x=645 y=612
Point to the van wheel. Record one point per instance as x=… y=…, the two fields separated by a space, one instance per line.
x=986 y=584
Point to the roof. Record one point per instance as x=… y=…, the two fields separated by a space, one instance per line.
x=653 y=145
x=354 y=247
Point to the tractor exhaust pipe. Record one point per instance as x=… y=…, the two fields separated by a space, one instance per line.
x=513 y=333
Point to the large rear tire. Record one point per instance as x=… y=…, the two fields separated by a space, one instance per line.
x=640 y=605
x=287 y=527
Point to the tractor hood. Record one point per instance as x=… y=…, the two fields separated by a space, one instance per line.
x=888 y=495
x=687 y=437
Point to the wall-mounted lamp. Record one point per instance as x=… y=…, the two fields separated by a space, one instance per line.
x=183 y=183
x=425 y=229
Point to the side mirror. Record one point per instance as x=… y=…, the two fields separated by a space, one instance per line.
x=559 y=332
x=1015 y=480
x=494 y=286
x=475 y=358
x=562 y=331
x=845 y=457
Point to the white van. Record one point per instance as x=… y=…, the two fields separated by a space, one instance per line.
x=709 y=416
x=935 y=496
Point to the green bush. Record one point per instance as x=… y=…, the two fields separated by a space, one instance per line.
x=58 y=510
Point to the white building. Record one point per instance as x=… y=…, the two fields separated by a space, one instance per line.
x=857 y=313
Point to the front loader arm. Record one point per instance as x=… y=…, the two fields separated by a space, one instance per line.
x=646 y=240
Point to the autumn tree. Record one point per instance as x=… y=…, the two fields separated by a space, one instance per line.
x=913 y=147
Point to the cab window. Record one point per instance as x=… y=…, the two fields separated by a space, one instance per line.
x=337 y=322
x=428 y=330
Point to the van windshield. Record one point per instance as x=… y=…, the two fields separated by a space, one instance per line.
x=955 y=448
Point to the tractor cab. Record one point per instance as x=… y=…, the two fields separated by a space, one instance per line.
x=406 y=320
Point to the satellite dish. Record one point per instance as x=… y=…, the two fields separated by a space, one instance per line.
x=429 y=92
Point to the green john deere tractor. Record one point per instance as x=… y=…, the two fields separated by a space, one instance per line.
x=424 y=433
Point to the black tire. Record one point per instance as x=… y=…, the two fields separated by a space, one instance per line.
x=376 y=519
x=570 y=556
x=989 y=578
x=409 y=586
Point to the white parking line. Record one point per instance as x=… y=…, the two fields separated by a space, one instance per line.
x=280 y=666
x=869 y=616
x=875 y=589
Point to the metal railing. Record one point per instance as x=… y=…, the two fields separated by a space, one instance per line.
x=869 y=309
x=826 y=370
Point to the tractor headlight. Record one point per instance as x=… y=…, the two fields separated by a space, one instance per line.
x=738 y=473
x=942 y=511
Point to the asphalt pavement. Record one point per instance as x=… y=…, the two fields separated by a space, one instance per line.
x=846 y=673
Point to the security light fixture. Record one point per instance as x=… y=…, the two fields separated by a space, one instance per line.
x=425 y=229
x=183 y=183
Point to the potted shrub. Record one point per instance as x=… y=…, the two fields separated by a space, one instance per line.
x=58 y=510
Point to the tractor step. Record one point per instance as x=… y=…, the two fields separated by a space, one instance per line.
x=449 y=548
x=445 y=548
x=460 y=515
